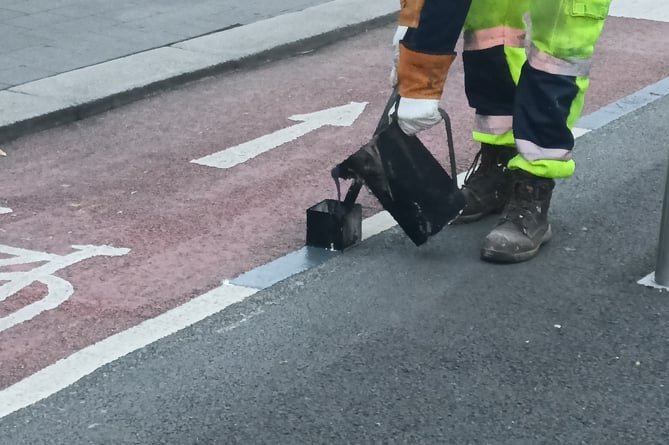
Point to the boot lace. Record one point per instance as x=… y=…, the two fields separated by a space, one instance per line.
x=485 y=164
x=523 y=208
x=473 y=168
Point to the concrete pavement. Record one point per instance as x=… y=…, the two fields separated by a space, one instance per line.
x=67 y=59
x=45 y=38
x=71 y=82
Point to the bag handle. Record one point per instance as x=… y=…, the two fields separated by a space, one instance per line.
x=357 y=184
x=451 y=147
x=394 y=99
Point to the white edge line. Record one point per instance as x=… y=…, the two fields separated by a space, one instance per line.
x=376 y=224
x=578 y=132
x=5 y=210
x=67 y=371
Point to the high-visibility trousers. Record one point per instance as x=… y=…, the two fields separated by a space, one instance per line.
x=527 y=65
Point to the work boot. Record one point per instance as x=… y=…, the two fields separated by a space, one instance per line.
x=523 y=226
x=486 y=185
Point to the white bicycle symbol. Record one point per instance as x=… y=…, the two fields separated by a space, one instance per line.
x=59 y=290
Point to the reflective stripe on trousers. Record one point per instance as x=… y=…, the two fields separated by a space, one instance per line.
x=536 y=102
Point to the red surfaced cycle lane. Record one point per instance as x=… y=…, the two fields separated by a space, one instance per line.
x=162 y=230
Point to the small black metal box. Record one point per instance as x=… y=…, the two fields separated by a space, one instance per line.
x=334 y=225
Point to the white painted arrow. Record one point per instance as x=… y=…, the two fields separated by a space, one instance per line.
x=4 y=210
x=342 y=116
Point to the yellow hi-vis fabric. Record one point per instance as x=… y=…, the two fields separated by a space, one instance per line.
x=562 y=37
x=567 y=29
x=491 y=14
x=545 y=168
x=491 y=23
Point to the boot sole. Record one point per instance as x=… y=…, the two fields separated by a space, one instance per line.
x=495 y=256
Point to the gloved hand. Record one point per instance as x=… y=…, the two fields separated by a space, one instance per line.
x=399 y=35
x=414 y=115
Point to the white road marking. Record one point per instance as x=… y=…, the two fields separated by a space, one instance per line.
x=657 y=10
x=343 y=116
x=649 y=281
x=578 y=132
x=69 y=370
x=5 y=210
x=376 y=224
x=59 y=290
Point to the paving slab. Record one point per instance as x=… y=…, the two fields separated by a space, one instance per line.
x=106 y=85
x=38 y=24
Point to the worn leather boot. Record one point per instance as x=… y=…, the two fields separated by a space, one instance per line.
x=523 y=226
x=486 y=186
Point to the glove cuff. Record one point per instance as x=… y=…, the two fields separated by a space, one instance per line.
x=421 y=75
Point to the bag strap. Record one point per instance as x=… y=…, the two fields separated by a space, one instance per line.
x=394 y=99
x=384 y=121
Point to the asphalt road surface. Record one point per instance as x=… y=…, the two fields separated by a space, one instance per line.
x=385 y=343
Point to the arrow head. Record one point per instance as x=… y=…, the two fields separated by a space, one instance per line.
x=342 y=116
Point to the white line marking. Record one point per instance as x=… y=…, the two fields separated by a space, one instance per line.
x=657 y=10
x=376 y=224
x=5 y=210
x=578 y=132
x=58 y=289
x=649 y=281
x=343 y=116
x=67 y=371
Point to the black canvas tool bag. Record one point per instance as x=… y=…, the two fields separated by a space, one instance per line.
x=405 y=177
